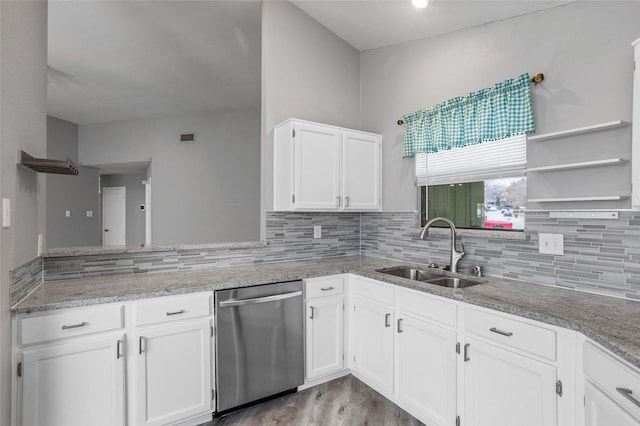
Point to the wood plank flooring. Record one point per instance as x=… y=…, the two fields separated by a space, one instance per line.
x=342 y=402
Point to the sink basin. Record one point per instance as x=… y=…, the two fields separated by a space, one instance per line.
x=453 y=282
x=428 y=277
x=410 y=273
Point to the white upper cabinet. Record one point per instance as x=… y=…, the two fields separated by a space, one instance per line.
x=325 y=168
x=360 y=170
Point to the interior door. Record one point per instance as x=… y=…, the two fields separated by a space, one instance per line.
x=114 y=216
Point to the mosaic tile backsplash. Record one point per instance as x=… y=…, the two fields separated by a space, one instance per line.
x=601 y=256
x=289 y=237
x=24 y=279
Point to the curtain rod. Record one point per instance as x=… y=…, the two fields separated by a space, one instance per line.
x=535 y=80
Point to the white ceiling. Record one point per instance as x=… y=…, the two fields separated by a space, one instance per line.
x=377 y=23
x=116 y=60
x=119 y=60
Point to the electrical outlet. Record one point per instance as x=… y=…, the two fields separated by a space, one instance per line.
x=89 y=213
x=317 y=231
x=67 y=213
x=551 y=243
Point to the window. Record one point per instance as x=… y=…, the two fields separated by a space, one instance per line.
x=479 y=186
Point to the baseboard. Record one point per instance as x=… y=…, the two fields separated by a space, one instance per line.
x=319 y=380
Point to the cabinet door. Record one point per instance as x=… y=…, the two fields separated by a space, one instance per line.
x=504 y=388
x=373 y=336
x=360 y=171
x=324 y=344
x=317 y=167
x=173 y=372
x=80 y=383
x=601 y=410
x=426 y=369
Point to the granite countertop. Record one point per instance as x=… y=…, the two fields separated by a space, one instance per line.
x=614 y=323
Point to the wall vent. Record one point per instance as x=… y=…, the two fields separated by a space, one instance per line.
x=187 y=137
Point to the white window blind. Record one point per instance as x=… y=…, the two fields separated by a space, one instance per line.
x=488 y=160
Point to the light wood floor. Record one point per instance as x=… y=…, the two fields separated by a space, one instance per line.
x=344 y=401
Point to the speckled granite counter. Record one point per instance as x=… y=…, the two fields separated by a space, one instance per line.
x=614 y=323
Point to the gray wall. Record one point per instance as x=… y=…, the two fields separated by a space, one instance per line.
x=308 y=73
x=201 y=192
x=23 y=56
x=134 y=193
x=66 y=192
x=584 y=50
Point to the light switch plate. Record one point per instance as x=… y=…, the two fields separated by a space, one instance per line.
x=6 y=213
x=89 y=213
x=67 y=213
x=551 y=243
x=317 y=231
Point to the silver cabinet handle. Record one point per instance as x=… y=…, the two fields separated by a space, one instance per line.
x=252 y=301
x=466 y=352
x=67 y=327
x=140 y=345
x=181 y=311
x=400 y=325
x=627 y=394
x=311 y=316
x=326 y=288
x=338 y=201
x=119 y=349
x=504 y=333
x=346 y=201
x=387 y=317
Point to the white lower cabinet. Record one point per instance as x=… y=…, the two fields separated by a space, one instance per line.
x=600 y=409
x=80 y=383
x=612 y=389
x=325 y=334
x=426 y=369
x=324 y=326
x=505 y=388
x=172 y=366
x=373 y=343
x=447 y=364
x=94 y=366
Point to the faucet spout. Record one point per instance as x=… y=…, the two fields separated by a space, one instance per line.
x=455 y=255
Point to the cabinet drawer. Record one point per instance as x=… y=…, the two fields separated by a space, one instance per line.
x=428 y=307
x=373 y=290
x=172 y=308
x=71 y=323
x=520 y=335
x=326 y=286
x=613 y=376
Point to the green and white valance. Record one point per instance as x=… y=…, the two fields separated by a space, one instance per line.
x=490 y=114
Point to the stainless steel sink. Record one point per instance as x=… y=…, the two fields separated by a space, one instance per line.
x=453 y=282
x=410 y=273
x=428 y=277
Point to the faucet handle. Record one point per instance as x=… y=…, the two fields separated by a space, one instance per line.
x=462 y=245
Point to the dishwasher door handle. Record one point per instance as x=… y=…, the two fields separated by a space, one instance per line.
x=263 y=299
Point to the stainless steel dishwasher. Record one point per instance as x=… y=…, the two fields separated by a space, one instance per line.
x=259 y=343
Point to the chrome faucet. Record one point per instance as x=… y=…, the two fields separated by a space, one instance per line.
x=455 y=254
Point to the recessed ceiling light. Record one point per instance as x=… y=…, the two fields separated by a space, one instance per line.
x=421 y=4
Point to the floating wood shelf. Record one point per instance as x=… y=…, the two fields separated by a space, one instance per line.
x=45 y=165
x=576 y=199
x=579 y=130
x=580 y=165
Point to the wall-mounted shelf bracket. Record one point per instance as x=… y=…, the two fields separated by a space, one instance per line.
x=45 y=165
